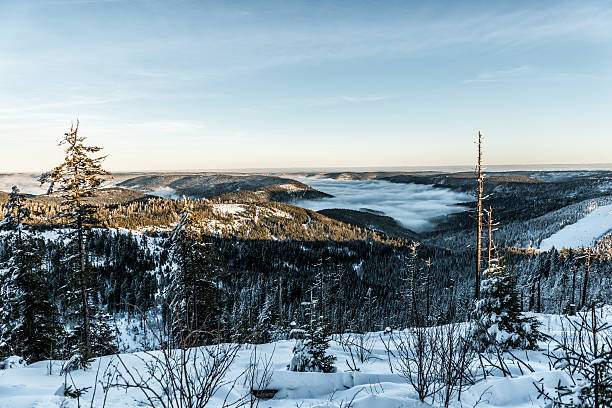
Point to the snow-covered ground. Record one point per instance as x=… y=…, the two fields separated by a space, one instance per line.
x=585 y=232
x=373 y=386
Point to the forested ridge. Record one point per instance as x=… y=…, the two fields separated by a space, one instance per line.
x=134 y=269
x=257 y=270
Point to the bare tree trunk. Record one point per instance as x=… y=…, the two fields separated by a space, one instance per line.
x=585 y=283
x=596 y=381
x=479 y=192
x=427 y=291
x=539 y=309
x=415 y=314
x=490 y=237
x=321 y=295
x=83 y=282
x=85 y=335
x=574 y=285
x=280 y=300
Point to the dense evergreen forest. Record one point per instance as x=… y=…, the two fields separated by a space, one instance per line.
x=366 y=281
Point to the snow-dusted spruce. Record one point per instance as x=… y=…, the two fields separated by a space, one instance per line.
x=29 y=323
x=264 y=331
x=77 y=178
x=193 y=296
x=498 y=320
x=15 y=212
x=310 y=351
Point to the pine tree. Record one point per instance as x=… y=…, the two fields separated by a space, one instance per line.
x=263 y=330
x=15 y=212
x=369 y=306
x=499 y=322
x=39 y=332
x=310 y=351
x=77 y=178
x=193 y=296
x=28 y=316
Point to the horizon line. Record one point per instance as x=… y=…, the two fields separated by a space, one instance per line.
x=411 y=168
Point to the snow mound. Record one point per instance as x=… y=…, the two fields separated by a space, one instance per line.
x=12 y=362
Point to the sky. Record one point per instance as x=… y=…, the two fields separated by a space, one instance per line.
x=195 y=85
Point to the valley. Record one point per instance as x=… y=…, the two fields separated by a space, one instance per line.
x=382 y=245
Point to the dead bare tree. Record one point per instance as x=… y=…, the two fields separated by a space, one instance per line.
x=439 y=362
x=479 y=198
x=417 y=360
x=258 y=378
x=359 y=347
x=182 y=374
x=585 y=281
x=455 y=362
x=428 y=292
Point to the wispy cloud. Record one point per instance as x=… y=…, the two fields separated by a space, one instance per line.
x=334 y=100
x=226 y=46
x=168 y=125
x=528 y=74
x=150 y=74
x=501 y=74
x=63 y=104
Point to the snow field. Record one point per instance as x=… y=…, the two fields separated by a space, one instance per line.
x=585 y=232
x=373 y=386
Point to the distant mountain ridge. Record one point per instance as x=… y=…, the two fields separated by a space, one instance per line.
x=198 y=186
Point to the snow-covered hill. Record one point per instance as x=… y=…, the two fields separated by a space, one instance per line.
x=378 y=383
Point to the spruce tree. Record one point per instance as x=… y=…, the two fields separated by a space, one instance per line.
x=76 y=179
x=28 y=317
x=15 y=212
x=263 y=330
x=38 y=332
x=310 y=351
x=193 y=296
x=499 y=322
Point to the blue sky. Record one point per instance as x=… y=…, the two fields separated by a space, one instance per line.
x=183 y=85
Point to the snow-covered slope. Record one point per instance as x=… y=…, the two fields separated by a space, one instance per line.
x=585 y=232
x=374 y=385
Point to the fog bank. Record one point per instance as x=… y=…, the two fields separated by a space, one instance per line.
x=413 y=205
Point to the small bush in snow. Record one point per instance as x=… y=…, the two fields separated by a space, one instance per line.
x=310 y=353
x=76 y=362
x=584 y=352
x=12 y=362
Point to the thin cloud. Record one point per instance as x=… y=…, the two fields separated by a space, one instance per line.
x=227 y=46
x=334 y=100
x=62 y=105
x=168 y=125
x=150 y=74
x=527 y=73
x=501 y=75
